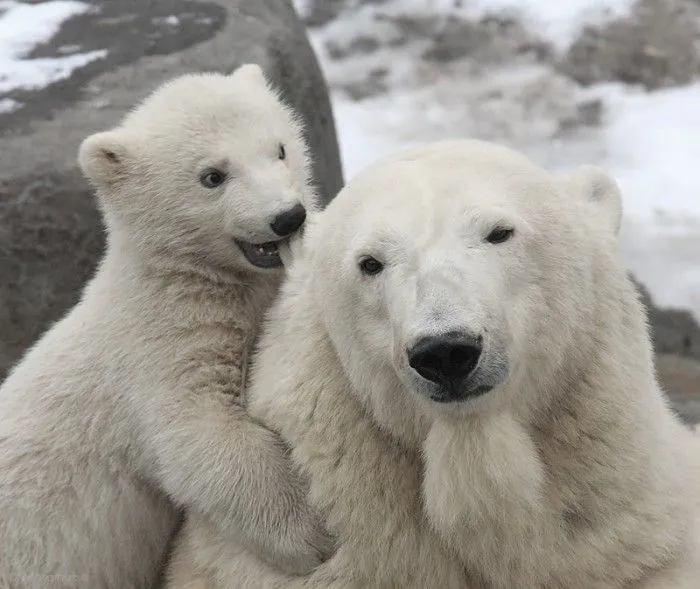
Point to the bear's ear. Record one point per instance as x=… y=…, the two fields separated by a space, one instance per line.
x=105 y=158
x=250 y=72
x=597 y=187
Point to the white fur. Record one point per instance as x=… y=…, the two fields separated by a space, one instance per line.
x=570 y=472
x=129 y=408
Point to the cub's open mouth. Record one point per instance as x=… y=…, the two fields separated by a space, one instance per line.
x=262 y=255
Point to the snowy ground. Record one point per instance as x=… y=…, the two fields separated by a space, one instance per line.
x=392 y=88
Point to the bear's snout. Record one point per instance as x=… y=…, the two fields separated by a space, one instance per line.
x=289 y=221
x=447 y=360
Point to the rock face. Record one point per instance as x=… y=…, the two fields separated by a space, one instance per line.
x=676 y=337
x=655 y=47
x=674 y=331
x=680 y=378
x=50 y=233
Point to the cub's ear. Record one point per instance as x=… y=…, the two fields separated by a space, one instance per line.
x=593 y=185
x=250 y=72
x=106 y=158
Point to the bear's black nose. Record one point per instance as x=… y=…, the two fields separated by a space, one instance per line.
x=289 y=221
x=446 y=359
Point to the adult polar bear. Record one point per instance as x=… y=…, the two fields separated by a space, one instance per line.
x=475 y=309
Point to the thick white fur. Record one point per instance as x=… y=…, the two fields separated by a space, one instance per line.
x=570 y=473
x=129 y=408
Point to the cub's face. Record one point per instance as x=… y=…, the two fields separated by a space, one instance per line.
x=447 y=272
x=210 y=167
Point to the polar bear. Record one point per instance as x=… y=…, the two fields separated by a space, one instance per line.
x=129 y=408
x=463 y=370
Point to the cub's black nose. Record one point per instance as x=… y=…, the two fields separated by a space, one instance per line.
x=446 y=359
x=289 y=221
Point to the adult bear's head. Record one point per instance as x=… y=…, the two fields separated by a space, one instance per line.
x=461 y=278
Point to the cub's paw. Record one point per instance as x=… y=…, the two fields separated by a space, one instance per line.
x=275 y=519
x=304 y=545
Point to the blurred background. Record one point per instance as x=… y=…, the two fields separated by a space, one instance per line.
x=609 y=82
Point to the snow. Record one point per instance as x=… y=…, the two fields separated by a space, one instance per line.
x=360 y=137
x=8 y=105
x=172 y=20
x=22 y=28
x=302 y=7
x=654 y=150
x=646 y=140
x=654 y=154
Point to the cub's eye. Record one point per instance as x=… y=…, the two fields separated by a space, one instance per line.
x=281 y=152
x=500 y=234
x=212 y=178
x=369 y=266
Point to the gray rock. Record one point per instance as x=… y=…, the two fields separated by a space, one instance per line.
x=657 y=46
x=50 y=233
x=492 y=39
x=680 y=378
x=321 y=12
x=676 y=339
x=673 y=331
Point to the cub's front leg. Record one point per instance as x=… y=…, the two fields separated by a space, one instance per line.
x=212 y=459
x=202 y=559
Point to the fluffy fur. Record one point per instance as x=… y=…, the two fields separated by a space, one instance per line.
x=129 y=408
x=555 y=464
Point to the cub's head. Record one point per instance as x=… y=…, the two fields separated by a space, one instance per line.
x=460 y=276
x=210 y=168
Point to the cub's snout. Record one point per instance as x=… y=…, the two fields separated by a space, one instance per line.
x=289 y=221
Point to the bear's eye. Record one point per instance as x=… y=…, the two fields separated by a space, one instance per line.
x=281 y=152
x=212 y=178
x=500 y=234
x=370 y=266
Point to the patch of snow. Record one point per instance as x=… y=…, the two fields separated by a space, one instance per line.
x=8 y=105
x=654 y=152
x=24 y=26
x=360 y=136
x=302 y=7
x=68 y=49
x=171 y=20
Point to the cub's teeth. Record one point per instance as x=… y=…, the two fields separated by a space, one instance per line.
x=269 y=248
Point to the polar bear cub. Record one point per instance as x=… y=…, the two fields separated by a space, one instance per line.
x=463 y=369
x=129 y=408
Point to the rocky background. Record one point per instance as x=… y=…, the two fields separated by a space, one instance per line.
x=50 y=234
